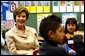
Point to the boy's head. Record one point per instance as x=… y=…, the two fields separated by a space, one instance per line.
x=51 y=29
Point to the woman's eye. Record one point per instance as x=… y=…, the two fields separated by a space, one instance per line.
x=23 y=16
x=18 y=15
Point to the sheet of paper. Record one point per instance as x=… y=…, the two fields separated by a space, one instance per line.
x=76 y=6
x=69 y=6
x=46 y=6
x=40 y=7
x=55 y=6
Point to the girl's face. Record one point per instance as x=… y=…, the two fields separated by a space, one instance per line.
x=21 y=19
x=71 y=27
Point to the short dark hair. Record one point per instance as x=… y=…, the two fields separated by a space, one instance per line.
x=73 y=20
x=19 y=10
x=51 y=22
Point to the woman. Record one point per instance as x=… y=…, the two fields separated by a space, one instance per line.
x=21 y=39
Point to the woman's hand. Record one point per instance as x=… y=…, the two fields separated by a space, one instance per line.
x=36 y=51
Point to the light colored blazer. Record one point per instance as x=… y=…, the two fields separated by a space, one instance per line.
x=19 y=43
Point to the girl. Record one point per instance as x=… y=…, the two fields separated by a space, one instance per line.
x=70 y=28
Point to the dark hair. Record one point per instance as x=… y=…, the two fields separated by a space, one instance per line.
x=19 y=10
x=49 y=23
x=73 y=20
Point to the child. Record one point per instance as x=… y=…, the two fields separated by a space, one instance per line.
x=71 y=28
x=52 y=32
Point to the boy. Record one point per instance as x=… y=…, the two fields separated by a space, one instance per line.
x=53 y=34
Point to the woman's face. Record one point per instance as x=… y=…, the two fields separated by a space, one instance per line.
x=21 y=19
x=71 y=27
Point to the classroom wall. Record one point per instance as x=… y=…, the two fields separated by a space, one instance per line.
x=33 y=16
x=33 y=20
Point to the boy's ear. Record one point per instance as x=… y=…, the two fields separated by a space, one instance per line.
x=50 y=34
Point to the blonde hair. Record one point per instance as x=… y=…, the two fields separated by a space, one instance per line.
x=19 y=10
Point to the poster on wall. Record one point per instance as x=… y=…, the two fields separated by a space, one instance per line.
x=9 y=24
x=55 y=6
x=41 y=16
x=9 y=15
x=3 y=24
x=39 y=6
x=21 y=3
x=82 y=6
x=76 y=6
x=1 y=9
x=68 y=15
x=16 y=2
x=69 y=6
x=82 y=18
x=27 y=5
x=46 y=6
x=1 y=17
x=62 y=6
x=4 y=8
x=12 y=6
x=33 y=7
